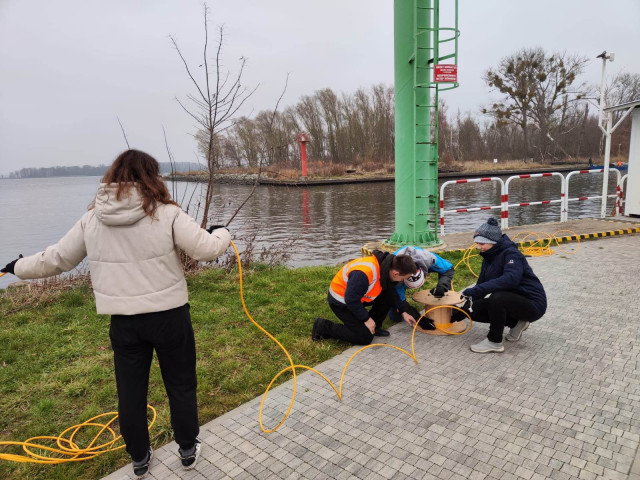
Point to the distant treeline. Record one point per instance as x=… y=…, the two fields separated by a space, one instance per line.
x=94 y=171
x=539 y=109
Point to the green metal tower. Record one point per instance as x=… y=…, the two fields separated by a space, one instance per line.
x=419 y=75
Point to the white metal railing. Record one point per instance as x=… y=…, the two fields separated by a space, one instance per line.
x=504 y=195
x=581 y=199
x=470 y=209
x=620 y=190
x=560 y=200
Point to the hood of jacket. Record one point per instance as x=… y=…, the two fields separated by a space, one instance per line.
x=113 y=211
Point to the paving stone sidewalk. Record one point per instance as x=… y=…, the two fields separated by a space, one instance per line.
x=563 y=403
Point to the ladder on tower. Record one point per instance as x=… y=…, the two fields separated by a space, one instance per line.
x=426 y=54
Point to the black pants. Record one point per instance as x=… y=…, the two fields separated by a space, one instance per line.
x=502 y=309
x=354 y=330
x=133 y=338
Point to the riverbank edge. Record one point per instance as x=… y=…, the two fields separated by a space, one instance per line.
x=250 y=178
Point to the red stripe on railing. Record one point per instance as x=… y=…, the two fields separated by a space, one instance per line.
x=587 y=171
x=526 y=204
x=525 y=176
x=462 y=181
x=583 y=198
x=442 y=220
x=441 y=203
x=504 y=198
x=461 y=210
x=544 y=202
x=547 y=174
x=485 y=208
x=485 y=179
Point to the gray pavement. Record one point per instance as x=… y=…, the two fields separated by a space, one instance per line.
x=563 y=403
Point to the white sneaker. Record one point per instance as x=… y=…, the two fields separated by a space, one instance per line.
x=486 y=346
x=189 y=460
x=516 y=332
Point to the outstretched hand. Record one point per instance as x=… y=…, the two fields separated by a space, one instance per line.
x=10 y=267
x=407 y=317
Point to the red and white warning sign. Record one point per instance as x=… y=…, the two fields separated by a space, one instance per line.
x=445 y=73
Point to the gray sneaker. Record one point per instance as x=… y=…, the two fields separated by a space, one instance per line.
x=516 y=332
x=486 y=346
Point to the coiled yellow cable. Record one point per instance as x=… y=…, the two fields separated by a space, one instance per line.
x=67 y=450
x=533 y=248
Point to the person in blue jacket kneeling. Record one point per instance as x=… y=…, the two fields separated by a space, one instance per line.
x=426 y=262
x=507 y=291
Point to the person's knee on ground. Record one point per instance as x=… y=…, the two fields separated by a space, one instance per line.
x=321 y=329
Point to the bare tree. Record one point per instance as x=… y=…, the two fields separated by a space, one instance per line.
x=218 y=97
x=538 y=90
x=310 y=116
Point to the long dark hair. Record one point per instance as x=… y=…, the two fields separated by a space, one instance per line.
x=134 y=166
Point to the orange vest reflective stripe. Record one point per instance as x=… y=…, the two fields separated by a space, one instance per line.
x=367 y=265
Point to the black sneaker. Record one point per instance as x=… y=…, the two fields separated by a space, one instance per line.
x=141 y=468
x=318 y=329
x=381 y=333
x=189 y=459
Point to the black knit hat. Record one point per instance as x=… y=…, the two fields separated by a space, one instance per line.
x=489 y=232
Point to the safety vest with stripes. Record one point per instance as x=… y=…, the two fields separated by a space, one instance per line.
x=369 y=266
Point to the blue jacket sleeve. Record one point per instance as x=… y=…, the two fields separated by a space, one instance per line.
x=357 y=285
x=509 y=280
x=441 y=265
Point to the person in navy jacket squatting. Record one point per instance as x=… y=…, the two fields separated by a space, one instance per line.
x=507 y=291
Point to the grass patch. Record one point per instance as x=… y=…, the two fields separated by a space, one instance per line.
x=56 y=365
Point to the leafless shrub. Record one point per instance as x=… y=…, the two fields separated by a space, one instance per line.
x=272 y=255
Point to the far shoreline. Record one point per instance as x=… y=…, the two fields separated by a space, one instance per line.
x=250 y=179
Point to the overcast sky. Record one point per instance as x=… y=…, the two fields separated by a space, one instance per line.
x=68 y=68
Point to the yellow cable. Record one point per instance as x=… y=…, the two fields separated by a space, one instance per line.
x=448 y=329
x=67 y=450
x=293 y=367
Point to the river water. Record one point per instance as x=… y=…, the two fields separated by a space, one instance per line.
x=321 y=225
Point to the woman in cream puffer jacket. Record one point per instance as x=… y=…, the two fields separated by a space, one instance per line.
x=131 y=236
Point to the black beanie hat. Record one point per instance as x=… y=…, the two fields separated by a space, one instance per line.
x=489 y=232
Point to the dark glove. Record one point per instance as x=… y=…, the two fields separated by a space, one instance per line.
x=214 y=227
x=426 y=324
x=10 y=266
x=439 y=291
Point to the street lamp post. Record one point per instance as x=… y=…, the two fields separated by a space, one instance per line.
x=605 y=126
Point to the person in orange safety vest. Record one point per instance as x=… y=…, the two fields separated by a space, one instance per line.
x=365 y=282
